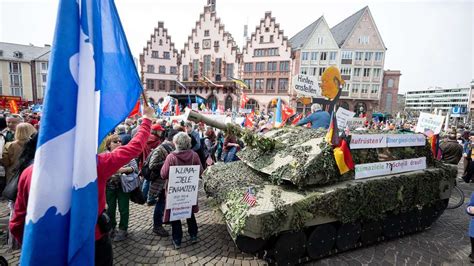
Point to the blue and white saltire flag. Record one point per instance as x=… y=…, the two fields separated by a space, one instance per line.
x=92 y=86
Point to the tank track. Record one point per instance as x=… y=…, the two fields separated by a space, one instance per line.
x=319 y=241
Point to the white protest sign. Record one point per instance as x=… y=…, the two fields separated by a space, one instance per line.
x=342 y=116
x=428 y=122
x=306 y=85
x=182 y=190
x=365 y=141
x=368 y=141
x=195 y=106
x=389 y=167
x=405 y=140
x=245 y=111
x=356 y=122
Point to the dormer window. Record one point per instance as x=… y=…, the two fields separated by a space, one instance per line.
x=206 y=33
x=1 y=53
x=18 y=54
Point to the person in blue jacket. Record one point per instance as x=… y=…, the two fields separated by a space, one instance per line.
x=470 y=211
x=318 y=118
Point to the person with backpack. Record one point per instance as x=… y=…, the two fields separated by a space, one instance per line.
x=151 y=171
x=155 y=139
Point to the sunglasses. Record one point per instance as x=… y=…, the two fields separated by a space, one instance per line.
x=117 y=141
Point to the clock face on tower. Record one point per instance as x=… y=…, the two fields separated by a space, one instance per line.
x=206 y=44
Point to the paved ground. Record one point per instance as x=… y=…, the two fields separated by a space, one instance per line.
x=446 y=243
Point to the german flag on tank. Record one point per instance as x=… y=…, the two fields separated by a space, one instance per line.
x=342 y=153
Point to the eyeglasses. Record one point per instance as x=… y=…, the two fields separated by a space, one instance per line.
x=117 y=141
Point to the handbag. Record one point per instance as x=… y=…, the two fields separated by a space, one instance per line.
x=136 y=196
x=129 y=182
x=11 y=189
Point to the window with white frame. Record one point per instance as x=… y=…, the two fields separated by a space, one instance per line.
x=376 y=72
x=346 y=70
x=150 y=68
x=229 y=70
x=364 y=40
x=44 y=66
x=283 y=84
x=375 y=88
x=346 y=87
x=314 y=71
x=162 y=69
x=355 y=88
x=207 y=65
x=259 y=84
x=368 y=56
x=332 y=56
x=173 y=70
x=248 y=82
x=154 y=54
x=218 y=66
x=346 y=55
x=357 y=72
x=324 y=56
x=185 y=72
x=390 y=83
x=365 y=88
x=304 y=56
x=358 y=56
x=17 y=92
x=378 y=56
x=166 y=55
x=15 y=68
x=285 y=66
x=314 y=56
x=366 y=72
x=206 y=33
x=272 y=66
x=271 y=84
x=260 y=67
x=320 y=39
x=43 y=78
x=304 y=71
x=248 y=67
x=321 y=71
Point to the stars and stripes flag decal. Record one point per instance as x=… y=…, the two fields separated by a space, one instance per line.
x=92 y=86
x=249 y=197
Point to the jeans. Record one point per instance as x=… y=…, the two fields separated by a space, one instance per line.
x=159 y=210
x=177 y=231
x=145 y=189
x=229 y=156
x=103 y=251
x=112 y=196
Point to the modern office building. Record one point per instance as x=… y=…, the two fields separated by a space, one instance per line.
x=437 y=98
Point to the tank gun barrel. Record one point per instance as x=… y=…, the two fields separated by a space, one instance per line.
x=196 y=117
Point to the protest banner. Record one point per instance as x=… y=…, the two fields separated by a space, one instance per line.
x=389 y=167
x=342 y=116
x=182 y=191
x=306 y=85
x=429 y=123
x=364 y=141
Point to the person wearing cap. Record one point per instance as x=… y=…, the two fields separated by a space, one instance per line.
x=318 y=118
x=451 y=149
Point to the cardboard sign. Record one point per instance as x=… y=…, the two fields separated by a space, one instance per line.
x=355 y=122
x=182 y=190
x=306 y=85
x=389 y=167
x=342 y=116
x=429 y=123
x=366 y=141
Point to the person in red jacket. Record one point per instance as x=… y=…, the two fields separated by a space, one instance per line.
x=107 y=165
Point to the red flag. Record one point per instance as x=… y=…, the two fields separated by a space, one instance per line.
x=297 y=119
x=287 y=112
x=176 y=109
x=13 y=107
x=135 y=110
x=243 y=100
x=249 y=120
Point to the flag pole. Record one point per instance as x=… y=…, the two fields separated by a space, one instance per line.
x=145 y=102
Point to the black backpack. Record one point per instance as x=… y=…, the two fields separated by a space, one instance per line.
x=146 y=171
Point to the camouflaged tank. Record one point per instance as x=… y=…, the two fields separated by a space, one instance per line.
x=305 y=209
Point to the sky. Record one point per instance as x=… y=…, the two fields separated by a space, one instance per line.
x=430 y=42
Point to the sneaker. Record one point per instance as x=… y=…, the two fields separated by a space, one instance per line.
x=120 y=236
x=194 y=239
x=160 y=231
x=176 y=246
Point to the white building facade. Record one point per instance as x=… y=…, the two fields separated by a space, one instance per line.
x=436 y=99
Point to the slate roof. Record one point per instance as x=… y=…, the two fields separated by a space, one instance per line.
x=301 y=37
x=29 y=52
x=342 y=30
